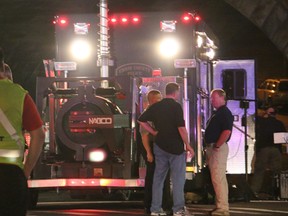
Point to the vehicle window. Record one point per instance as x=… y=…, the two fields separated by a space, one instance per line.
x=270 y=86
x=283 y=86
x=274 y=86
x=263 y=85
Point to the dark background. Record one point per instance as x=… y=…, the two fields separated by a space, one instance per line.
x=27 y=32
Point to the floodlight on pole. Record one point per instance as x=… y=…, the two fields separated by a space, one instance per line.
x=205 y=45
x=210 y=53
x=200 y=41
x=80 y=49
x=169 y=47
x=104 y=60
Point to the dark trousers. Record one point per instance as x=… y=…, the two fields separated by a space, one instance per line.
x=167 y=200
x=13 y=191
x=266 y=158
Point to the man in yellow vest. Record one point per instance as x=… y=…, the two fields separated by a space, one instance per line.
x=6 y=71
x=17 y=113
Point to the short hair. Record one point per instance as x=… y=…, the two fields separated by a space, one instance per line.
x=151 y=93
x=220 y=92
x=171 y=88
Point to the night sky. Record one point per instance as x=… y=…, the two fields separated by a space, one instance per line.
x=27 y=32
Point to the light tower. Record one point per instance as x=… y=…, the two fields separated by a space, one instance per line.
x=104 y=60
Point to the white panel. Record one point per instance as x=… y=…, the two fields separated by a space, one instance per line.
x=236 y=158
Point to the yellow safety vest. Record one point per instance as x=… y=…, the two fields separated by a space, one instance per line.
x=11 y=103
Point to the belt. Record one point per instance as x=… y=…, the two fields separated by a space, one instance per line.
x=210 y=145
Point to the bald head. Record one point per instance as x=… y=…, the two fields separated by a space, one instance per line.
x=218 y=98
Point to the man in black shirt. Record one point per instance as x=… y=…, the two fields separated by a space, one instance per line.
x=217 y=134
x=171 y=142
x=153 y=97
x=268 y=155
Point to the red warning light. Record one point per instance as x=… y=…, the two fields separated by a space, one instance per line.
x=135 y=19
x=186 y=18
x=63 y=21
x=124 y=20
x=113 y=20
x=197 y=18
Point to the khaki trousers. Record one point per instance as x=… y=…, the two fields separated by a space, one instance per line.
x=217 y=162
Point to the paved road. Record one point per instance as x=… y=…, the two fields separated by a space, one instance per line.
x=116 y=208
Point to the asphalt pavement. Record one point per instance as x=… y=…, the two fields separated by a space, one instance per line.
x=58 y=203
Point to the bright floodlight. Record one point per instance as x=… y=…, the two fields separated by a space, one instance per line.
x=97 y=155
x=80 y=49
x=169 y=47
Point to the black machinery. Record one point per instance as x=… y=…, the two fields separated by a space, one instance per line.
x=89 y=128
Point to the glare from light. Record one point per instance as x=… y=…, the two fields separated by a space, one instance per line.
x=169 y=47
x=186 y=18
x=80 y=49
x=200 y=41
x=197 y=18
x=113 y=20
x=210 y=43
x=97 y=155
x=124 y=20
x=63 y=21
x=135 y=19
x=210 y=53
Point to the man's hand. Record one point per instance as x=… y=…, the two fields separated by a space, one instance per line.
x=150 y=157
x=155 y=133
x=148 y=127
x=190 y=151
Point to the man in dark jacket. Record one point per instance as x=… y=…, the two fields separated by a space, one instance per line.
x=268 y=154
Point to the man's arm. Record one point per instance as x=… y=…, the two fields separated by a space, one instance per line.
x=184 y=136
x=146 y=143
x=223 y=138
x=33 y=124
x=148 y=127
x=35 y=148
